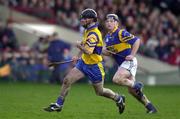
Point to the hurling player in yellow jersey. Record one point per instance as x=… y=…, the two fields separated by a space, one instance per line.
x=89 y=65
x=123 y=47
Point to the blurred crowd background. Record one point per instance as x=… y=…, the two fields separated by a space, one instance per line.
x=156 y=22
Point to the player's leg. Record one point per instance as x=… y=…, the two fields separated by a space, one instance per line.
x=96 y=75
x=136 y=89
x=126 y=76
x=73 y=76
x=108 y=93
x=141 y=97
x=121 y=77
x=101 y=91
x=124 y=72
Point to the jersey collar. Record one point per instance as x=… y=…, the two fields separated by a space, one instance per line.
x=115 y=28
x=91 y=26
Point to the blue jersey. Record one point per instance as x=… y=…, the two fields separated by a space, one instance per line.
x=120 y=42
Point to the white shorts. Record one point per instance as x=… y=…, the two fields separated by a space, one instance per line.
x=131 y=66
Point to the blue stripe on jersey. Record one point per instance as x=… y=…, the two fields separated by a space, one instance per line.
x=97 y=50
x=132 y=41
x=94 y=34
x=127 y=37
x=91 y=44
x=88 y=41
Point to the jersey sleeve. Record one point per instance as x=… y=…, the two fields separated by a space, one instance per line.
x=91 y=42
x=127 y=37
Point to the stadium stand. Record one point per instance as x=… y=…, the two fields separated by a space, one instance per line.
x=156 y=23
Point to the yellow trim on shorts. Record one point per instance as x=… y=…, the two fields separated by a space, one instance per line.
x=101 y=68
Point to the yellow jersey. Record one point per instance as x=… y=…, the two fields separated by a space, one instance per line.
x=92 y=39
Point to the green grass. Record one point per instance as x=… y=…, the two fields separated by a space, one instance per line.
x=25 y=101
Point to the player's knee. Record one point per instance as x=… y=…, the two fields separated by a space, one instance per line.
x=99 y=92
x=115 y=80
x=118 y=80
x=67 y=81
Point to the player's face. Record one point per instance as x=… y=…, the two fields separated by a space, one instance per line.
x=111 y=24
x=85 y=21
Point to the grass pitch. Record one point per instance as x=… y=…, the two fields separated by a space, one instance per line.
x=26 y=101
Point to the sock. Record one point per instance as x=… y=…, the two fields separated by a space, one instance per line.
x=119 y=98
x=60 y=101
x=149 y=106
x=137 y=85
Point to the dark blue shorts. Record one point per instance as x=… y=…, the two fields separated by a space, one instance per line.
x=94 y=72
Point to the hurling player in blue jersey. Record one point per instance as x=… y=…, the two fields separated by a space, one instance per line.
x=89 y=65
x=123 y=47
